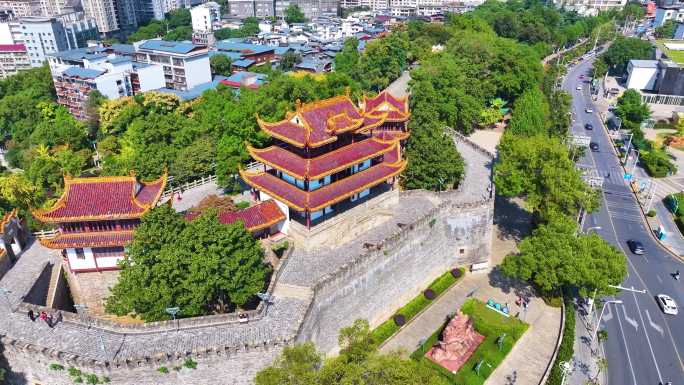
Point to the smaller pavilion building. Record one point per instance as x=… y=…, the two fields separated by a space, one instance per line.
x=96 y=218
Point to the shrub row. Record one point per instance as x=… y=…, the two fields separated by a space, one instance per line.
x=565 y=350
x=416 y=305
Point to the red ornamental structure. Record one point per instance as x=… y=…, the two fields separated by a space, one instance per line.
x=330 y=154
x=96 y=218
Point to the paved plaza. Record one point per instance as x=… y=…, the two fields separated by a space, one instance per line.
x=540 y=339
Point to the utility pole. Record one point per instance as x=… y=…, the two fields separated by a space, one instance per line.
x=598 y=322
x=632 y=289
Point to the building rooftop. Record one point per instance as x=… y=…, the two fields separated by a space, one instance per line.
x=80 y=54
x=195 y=91
x=244 y=63
x=243 y=78
x=255 y=218
x=97 y=198
x=123 y=48
x=243 y=48
x=231 y=55
x=177 y=47
x=83 y=73
x=644 y=63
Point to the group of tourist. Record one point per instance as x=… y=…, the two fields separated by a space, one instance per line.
x=50 y=319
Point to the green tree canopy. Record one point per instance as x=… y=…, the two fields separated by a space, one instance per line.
x=531 y=115
x=667 y=30
x=293 y=14
x=623 y=50
x=202 y=266
x=220 y=65
x=359 y=363
x=554 y=257
x=539 y=169
x=631 y=109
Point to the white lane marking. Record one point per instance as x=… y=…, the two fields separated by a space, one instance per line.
x=609 y=314
x=659 y=279
x=654 y=325
x=629 y=359
x=667 y=254
x=629 y=320
x=648 y=339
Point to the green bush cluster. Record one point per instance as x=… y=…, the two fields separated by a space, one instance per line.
x=78 y=376
x=491 y=325
x=565 y=351
x=674 y=203
x=415 y=306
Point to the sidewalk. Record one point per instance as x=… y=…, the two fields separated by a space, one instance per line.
x=538 y=342
x=584 y=366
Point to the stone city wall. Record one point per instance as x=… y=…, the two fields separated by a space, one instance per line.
x=376 y=284
x=30 y=365
x=373 y=286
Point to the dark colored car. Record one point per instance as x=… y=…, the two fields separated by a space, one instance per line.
x=594 y=146
x=589 y=126
x=635 y=246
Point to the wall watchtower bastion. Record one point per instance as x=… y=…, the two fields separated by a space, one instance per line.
x=315 y=293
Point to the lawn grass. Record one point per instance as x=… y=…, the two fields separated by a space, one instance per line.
x=491 y=325
x=388 y=328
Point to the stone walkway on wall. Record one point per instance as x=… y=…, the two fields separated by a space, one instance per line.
x=527 y=362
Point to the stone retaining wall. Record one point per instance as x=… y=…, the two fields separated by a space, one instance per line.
x=377 y=283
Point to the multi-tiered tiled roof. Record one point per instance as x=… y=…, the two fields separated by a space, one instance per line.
x=397 y=109
x=103 y=199
x=321 y=123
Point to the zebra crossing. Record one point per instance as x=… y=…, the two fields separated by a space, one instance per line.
x=620 y=205
x=667 y=186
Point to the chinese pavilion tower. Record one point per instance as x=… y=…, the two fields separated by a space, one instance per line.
x=329 y=155
x=96 y=218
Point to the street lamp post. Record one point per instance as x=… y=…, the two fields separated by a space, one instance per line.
x=636 y=160
x=592 y=228
x=5 y=293
x=173 y=311
x=598 y=322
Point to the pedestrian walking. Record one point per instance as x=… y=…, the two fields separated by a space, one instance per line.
x=31 y=315
x=59 y=318
x=43 y=316
x=48 y=320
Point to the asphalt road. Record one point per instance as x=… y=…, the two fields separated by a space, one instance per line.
x=644 y=346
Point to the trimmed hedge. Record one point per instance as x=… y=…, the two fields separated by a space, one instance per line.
x=415 y=306
x=566 y=348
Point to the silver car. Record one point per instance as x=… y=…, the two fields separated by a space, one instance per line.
x=667 y=304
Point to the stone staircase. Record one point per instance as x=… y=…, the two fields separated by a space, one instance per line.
x=283 y=290
x=52 y=288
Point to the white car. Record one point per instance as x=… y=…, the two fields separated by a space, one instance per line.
x=588 y=110
x=579 y=88
x=667 y=304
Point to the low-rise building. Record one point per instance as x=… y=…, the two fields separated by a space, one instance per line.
x=257 y=54
x=251 y=80
x=13 y=58
x=185 y=65
x=642 y=74
x=76 y=73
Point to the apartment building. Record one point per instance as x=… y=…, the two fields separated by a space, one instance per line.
x=46 y=35
x=668 y=10
x=185 y=65
x=43 y=36
x=205 y=16
x=22 y=8
x=13 y=58
x=105 y=14
x=251 y=8
x=590 y=7
x=78 y=72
